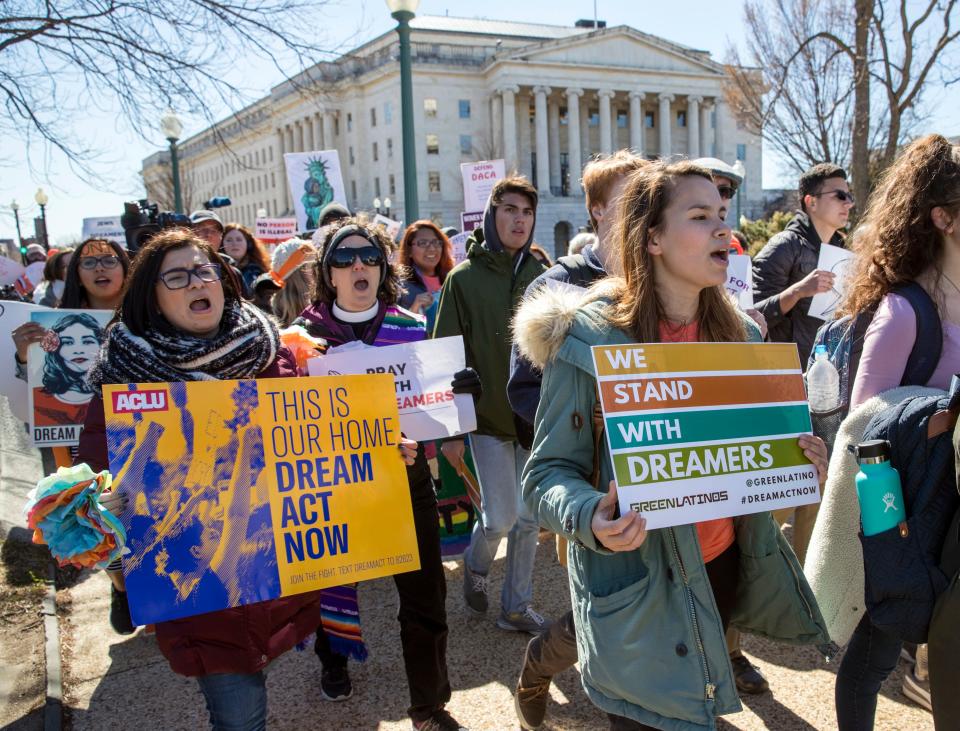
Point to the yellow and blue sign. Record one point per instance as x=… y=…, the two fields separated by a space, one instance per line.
x=244 y=491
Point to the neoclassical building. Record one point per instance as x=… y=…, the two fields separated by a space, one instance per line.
x=543 y=97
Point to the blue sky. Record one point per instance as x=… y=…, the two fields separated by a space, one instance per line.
x=702 y=24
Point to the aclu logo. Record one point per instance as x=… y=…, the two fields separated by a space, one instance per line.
x=134 y=402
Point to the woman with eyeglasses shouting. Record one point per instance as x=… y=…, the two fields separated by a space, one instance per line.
x=356 y=299
x=426 y=254
x=182 y=319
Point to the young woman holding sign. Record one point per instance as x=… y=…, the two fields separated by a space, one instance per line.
x=651 y=607
x=356 y=296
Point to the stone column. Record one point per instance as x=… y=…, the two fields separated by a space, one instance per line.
x=586 y=149
x=510 y=126
x=318 y=132
x=693 y=126
x=706 y=136
x=574 y=153
x=542 y=141
x=328 y=143
x=525 y=144
x=606 y=131
x=282 y=170
x=298 y=130
x=289 y=131
x=553 y=122
x=665 y=124
x=636 y=121
x=718 y=139
x=308 y=135
x=496 y=124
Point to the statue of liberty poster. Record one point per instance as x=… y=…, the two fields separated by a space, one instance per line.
x=315 y=180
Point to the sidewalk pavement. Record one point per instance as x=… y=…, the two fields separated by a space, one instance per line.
x=113 y=681
x=20 y=469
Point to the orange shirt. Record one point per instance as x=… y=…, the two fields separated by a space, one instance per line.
x=716 y=536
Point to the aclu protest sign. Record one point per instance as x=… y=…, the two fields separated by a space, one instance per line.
x=57 y=373
x=698 y=431
x=836 y=260
x=315 y=180
x=244 y=491
x=12 y=316
x=428 y=408
x=478 y=180
x=470 y=221
x=104 y=227
x=740 y=280
x=275 y=230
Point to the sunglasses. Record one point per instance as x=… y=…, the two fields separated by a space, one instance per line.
x=180 y=278
x=107 y=261
x=343 y=258
x=726 y=191
x=841 y=195
x=428 y=243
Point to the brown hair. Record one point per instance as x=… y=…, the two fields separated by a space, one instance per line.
x=600 y=173
x=293 y=298
x=636 y=308
x=255 y=250
x=52 y=269
x=139 y=310
x=897 y=241
x=541 y=255
x=406 y=244
x=389 y=291
x=514 y=184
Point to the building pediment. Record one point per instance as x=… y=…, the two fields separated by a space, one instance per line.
x=619 y=47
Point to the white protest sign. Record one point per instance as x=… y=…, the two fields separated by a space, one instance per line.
x=836 y=260
x=10 y=271
x=315 y=180
x=423 y=371
x=104 y=227
x=478 y=180
x=12 y=316
x=459 y=247
x=275 y=230
x=740 y=280
x=31 y=277
x=390 y=226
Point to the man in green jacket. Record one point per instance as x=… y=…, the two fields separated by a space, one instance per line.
x=477 y=301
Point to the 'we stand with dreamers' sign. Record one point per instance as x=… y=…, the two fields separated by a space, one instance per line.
x=698 y=431
x=243 y=491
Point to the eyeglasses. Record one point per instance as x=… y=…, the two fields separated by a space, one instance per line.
x=107 y=261
x=180 y=278
x=428 y=243
x=841 y=195
x=343 y=258
x=726 y=191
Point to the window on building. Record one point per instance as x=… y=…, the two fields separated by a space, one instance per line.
x=392 y=184
x=433 y=144
x=376 y=187
x=336 y=126
x=621 y=120
x=353 y=190
x=429 y=107
x=389 y=147
x=256 y=158
x=271 y=153
x=376 y=152
x=273 y=180
x=433 y=181
x=464 y=109
x=742 y=152
x=350 y=155
x=649 y=120
x=349 y=122
x=387 y=113
x=466 y=144
x=682 y=118
x=373 y=116
x=593 y=118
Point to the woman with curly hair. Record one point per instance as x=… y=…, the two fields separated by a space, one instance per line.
x=248 y=254
x=426 y=255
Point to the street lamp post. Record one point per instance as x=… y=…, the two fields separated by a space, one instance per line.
x=15 y=207
x=388 y=204
x=403 y=12
x=171 y=126
x=42 y=199
x=740 y=170
x=376 y=205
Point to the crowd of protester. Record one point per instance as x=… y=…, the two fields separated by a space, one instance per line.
x=657 y=649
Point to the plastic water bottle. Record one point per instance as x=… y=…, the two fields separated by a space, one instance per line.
x=878 y=489
x=823 y=383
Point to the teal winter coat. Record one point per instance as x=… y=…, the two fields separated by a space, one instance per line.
x=649 y=636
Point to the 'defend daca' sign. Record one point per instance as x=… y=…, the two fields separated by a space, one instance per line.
x=698 y=431
x=243 y=491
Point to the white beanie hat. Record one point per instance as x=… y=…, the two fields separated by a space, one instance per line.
x=285 y=250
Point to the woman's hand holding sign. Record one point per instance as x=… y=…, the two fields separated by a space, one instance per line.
x=25 y=336
x=623 y=534
x=815 y=450
x=408 y=450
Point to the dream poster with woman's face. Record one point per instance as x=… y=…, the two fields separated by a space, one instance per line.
x=57 y=370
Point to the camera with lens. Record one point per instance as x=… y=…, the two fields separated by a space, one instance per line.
x=142 y=219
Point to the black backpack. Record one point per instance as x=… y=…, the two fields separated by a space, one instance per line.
x=906 y=568
x=843 y=339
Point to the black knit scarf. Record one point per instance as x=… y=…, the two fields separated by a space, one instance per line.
x=246 y=344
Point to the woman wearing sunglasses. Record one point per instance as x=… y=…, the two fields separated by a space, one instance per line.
x=426 y=254
x=356 y=299
x=182 y=319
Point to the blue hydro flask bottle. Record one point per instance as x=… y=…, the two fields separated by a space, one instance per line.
x=878 y=489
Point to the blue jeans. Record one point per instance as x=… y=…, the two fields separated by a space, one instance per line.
x=499 y=464
x=236 y=701
x=870 y=657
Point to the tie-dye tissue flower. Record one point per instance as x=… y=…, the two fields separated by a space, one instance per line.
x=65 y=513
